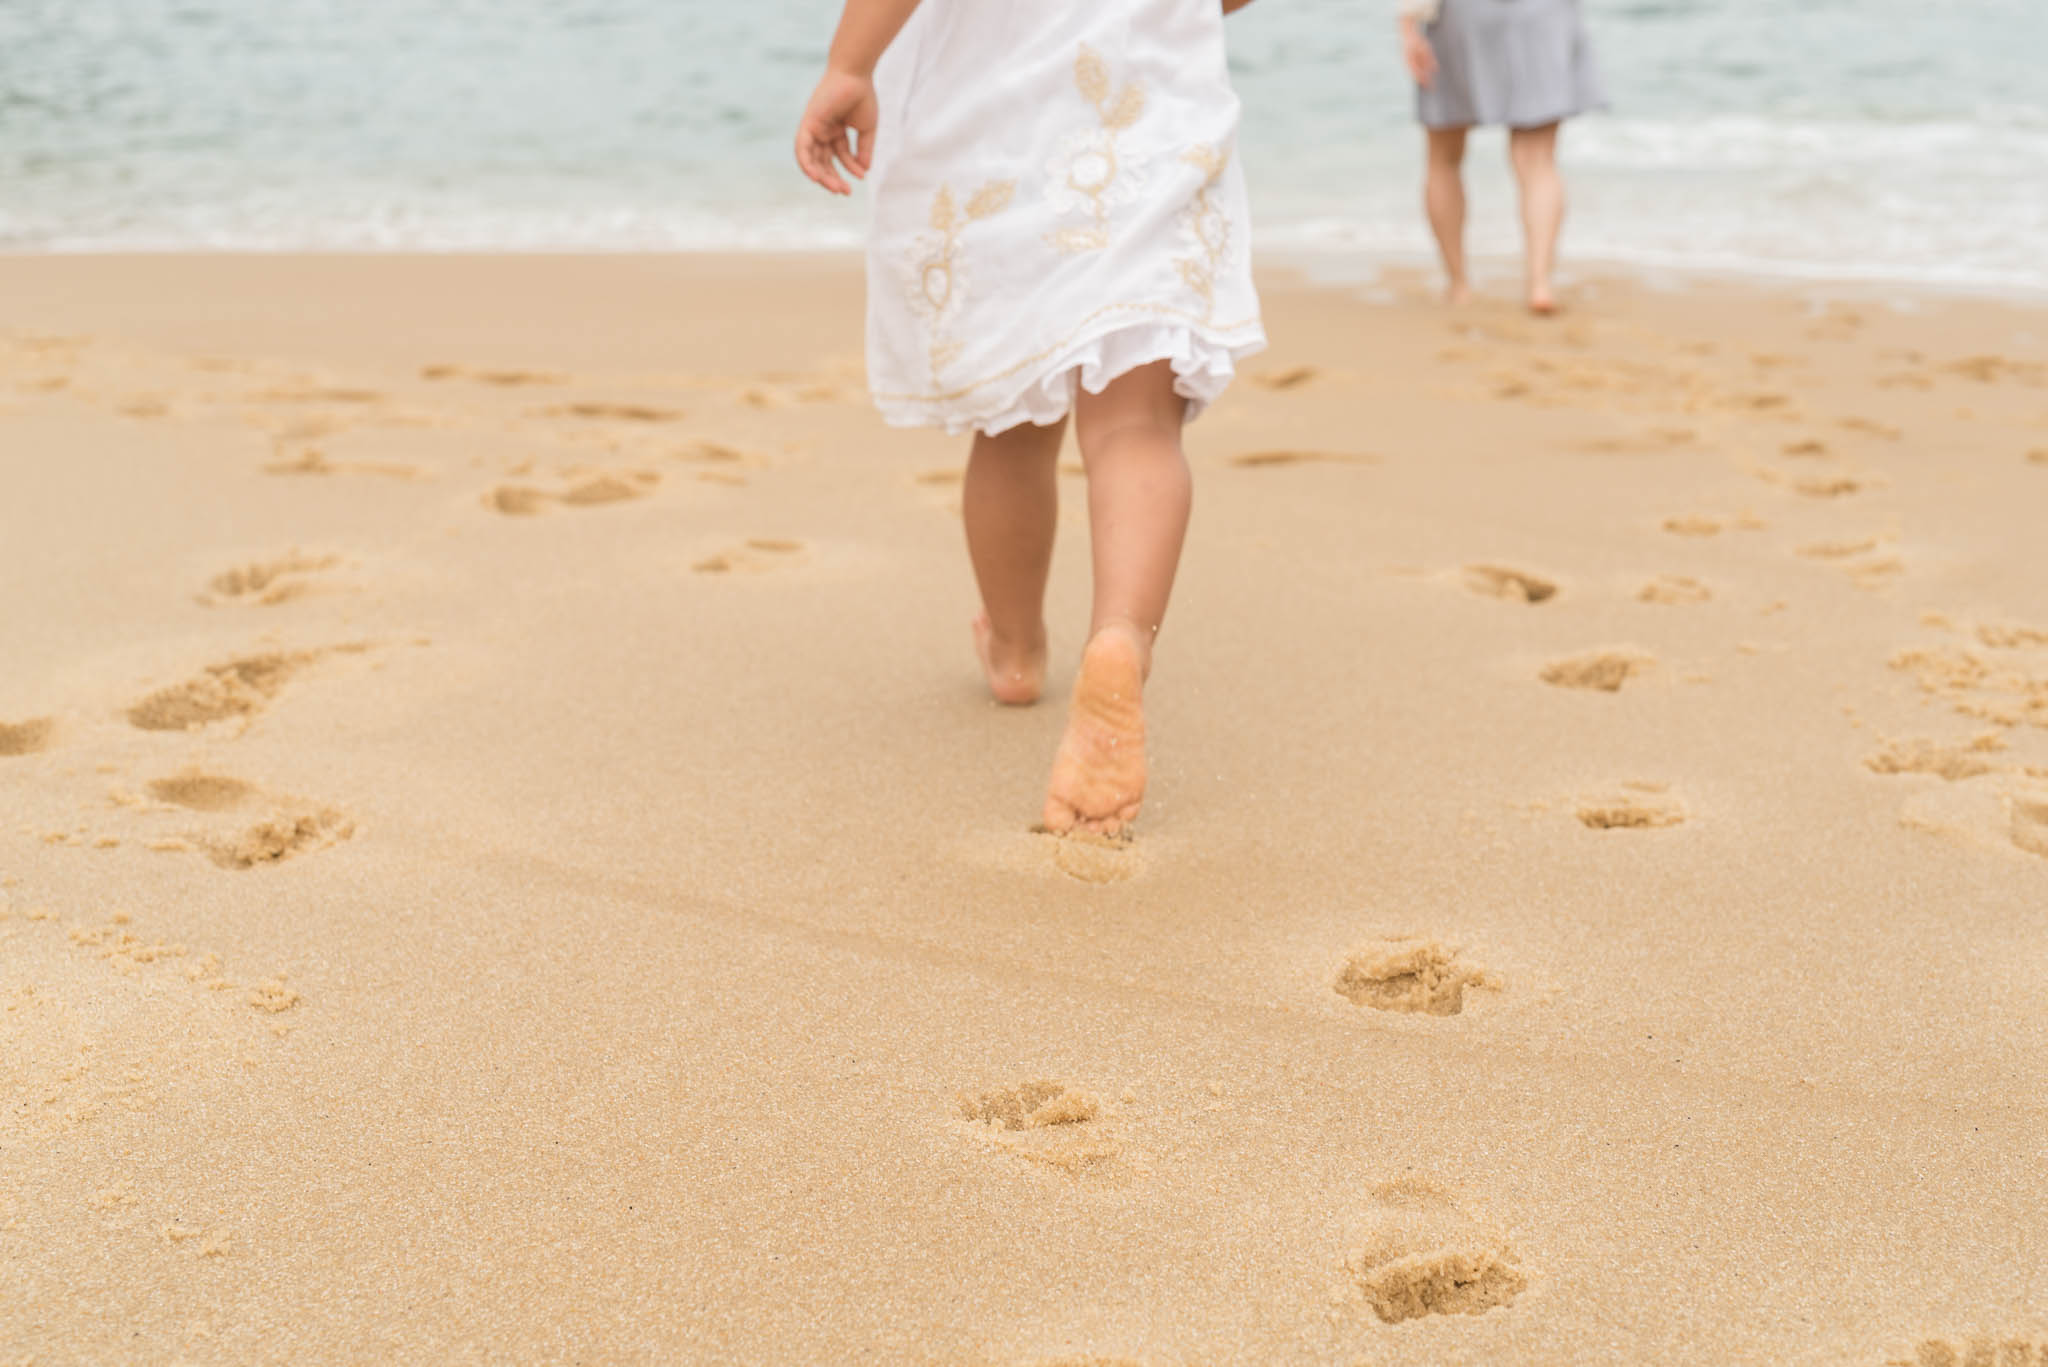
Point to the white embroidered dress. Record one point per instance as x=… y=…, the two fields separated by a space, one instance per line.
x=1057 y=202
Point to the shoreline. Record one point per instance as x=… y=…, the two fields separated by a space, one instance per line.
x=1319 y=264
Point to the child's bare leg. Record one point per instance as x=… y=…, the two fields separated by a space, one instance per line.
x=1443 y=195
x=1011 y=505
x=1139 y=494
x=1534 y=153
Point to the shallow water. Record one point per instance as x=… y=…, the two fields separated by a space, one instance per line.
x=1903 y=139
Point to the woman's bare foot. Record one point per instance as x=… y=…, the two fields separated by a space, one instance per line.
x=1098 y=777
x=1016 y=676
x=1542 y=302
x=1458 y=294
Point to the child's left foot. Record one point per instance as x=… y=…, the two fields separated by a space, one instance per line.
x=1098 y=778
x=1016 y=676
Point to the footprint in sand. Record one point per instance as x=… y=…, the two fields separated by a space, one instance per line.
x=717 y=453
x=318 y=393
x=718 y=463
x=1993 y=369
x=1293 y=377
x=1977 y=1352
x=2038 y=456
x=591 y=491
x=1042 y=1121
x=268 y=582
x=785 y=391
x=1674 y=590
x=26 y=737
x=945 y=478
x=1603 y=671
x=1763 y=402
x=1869 y=427
x=757 y=554
x=1636 y=806
x=1839 y=550
x=202 y=792
x=240 y=687
x=1695 y=524
x=2010 y=636
x=503 y=378
x=316 y=463
x=2030 y=831
x=1656 y=439
x=1951 y=762
x=1873 y=575
x=1256 y=460
x=144 y=406
x=1090 y=858
x=1424 y=1254
x=600 y=490
x=282 y=828
x=1509 y=585
x=613 y=412
x=280 y=836
x=2003 y=691
x=235 y=688
x=1815 y=486
x=1410 y=974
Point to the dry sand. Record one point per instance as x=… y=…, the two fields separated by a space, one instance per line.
x=505 y=857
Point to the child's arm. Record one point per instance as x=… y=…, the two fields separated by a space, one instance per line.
x=844 y=102
x=1415 y=48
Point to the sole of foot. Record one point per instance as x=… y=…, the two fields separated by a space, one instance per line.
x=1098 y=777
x=1013 y=684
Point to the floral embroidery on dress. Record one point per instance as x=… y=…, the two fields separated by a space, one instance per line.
x=938 y=278
x=1088 y=173
x=1206 y=227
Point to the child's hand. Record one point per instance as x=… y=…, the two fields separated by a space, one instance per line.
x=1417 y=53
x=842 y=105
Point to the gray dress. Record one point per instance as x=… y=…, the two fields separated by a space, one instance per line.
x=1523 y=63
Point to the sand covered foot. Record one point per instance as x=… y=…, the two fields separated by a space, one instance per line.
x=1098 y=778
x=1015 y=677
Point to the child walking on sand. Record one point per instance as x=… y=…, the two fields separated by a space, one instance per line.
x=1059 y=231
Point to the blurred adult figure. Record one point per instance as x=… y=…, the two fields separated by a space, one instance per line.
x=1524 y=64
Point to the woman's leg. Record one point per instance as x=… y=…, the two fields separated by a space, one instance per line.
x=1011 y=505
x=1534 y=153
x=1139 y=496
x=1443 y=195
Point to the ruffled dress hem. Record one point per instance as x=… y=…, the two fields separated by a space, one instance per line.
x=1204 y=362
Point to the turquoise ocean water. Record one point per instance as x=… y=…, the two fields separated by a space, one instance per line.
x=1876 y=139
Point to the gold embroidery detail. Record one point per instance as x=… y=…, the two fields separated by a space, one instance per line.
x=1207 y=226
x=938 y=283
x=1088 y=174
x=1127 y=306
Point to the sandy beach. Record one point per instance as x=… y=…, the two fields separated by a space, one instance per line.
x=505 y=855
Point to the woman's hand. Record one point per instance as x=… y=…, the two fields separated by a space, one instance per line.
x=1417 y=53
x=842 y=106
